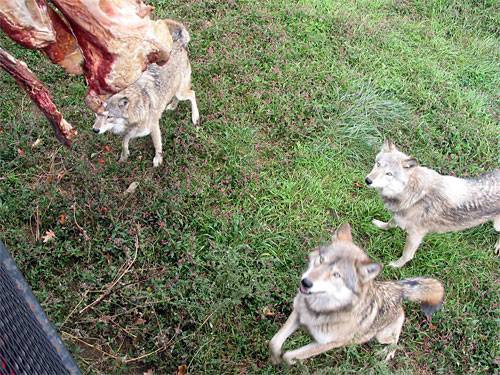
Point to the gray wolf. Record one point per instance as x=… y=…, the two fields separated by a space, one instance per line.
x=136 y=111
x=339 y=302
x=422 y=200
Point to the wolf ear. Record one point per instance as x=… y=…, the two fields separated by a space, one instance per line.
x=388 y=145
x=123 y=102
x=343 y=233
x=369 y=271
x=409 y=163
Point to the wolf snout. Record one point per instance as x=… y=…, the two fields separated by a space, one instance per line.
x=368 y=181
x=95 y=130
x=305 y=285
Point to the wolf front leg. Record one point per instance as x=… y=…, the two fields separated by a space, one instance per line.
x=310 y=350
x=496 y=225
x=276 y=343
x=385 y=226
x=125 y=153
x=156 y=137
x=413 y=241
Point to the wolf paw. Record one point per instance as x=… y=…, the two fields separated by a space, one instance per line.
x=287 y=357
x=397 y=263
x=157 y=161
x=195 y=118
x=379 y=224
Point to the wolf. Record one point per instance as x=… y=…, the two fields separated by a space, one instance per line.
x=421 y=200
x=340 y=303
x=136 y=110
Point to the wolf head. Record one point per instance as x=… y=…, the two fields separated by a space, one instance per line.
x=391 y=171
x=114 y=117
x=337 y=274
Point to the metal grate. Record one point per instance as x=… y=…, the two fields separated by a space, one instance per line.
x=29 y=345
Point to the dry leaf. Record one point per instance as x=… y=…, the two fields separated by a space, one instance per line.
x=131 y=188
x=49 y=236
x=149 y=372
x=35 y=144
x=182 y=370
x=358 y=184
x=268 y=312
x=106 y=149
x=139 y=321
x=60 y=176
x=101 y=161
x=20 y=152
x=63 y=219
x=432 y=326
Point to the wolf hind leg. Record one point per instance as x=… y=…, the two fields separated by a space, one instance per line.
x=390 y=335
x=385 y=226
x=173 y=104
x=188 y=94
x=413 y=241
x=496 y=225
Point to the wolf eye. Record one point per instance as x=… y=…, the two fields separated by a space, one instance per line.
x=336 y=275
x=389 y=173
x=378 y=164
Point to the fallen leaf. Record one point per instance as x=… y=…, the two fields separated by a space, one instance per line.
x=182 y=370
x=49 y=236
x=101 y=161
x=106 y=149
x=358 y=184
x=60 y=176
x=35 y=144
x=149 y=372
x=63 y=219
x=432 y=326
x=132 y=187
x=139 y=321
x=20 y=152
x=268 y=312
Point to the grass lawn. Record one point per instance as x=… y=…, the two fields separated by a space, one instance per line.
x=197 y=269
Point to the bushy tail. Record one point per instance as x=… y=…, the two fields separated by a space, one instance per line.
x=426 y=290
x=178 y=32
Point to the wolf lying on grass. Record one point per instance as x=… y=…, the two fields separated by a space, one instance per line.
x=339 y=303
x=136 y=111
x=421 y=200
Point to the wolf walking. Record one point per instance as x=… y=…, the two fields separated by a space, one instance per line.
x=136 y=111
x=339 y=302
x=422 y=200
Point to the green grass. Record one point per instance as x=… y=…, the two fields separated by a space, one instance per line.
x=295 y=101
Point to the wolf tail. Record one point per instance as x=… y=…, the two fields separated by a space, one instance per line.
x=178 y=32
x=426 y=290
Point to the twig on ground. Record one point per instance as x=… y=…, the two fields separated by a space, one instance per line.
x=111 y=286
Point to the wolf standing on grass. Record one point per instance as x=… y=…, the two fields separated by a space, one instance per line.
x=421 y=200
x=136 y=111
x=339 y=303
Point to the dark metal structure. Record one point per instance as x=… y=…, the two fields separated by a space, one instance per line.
x=29 y=345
